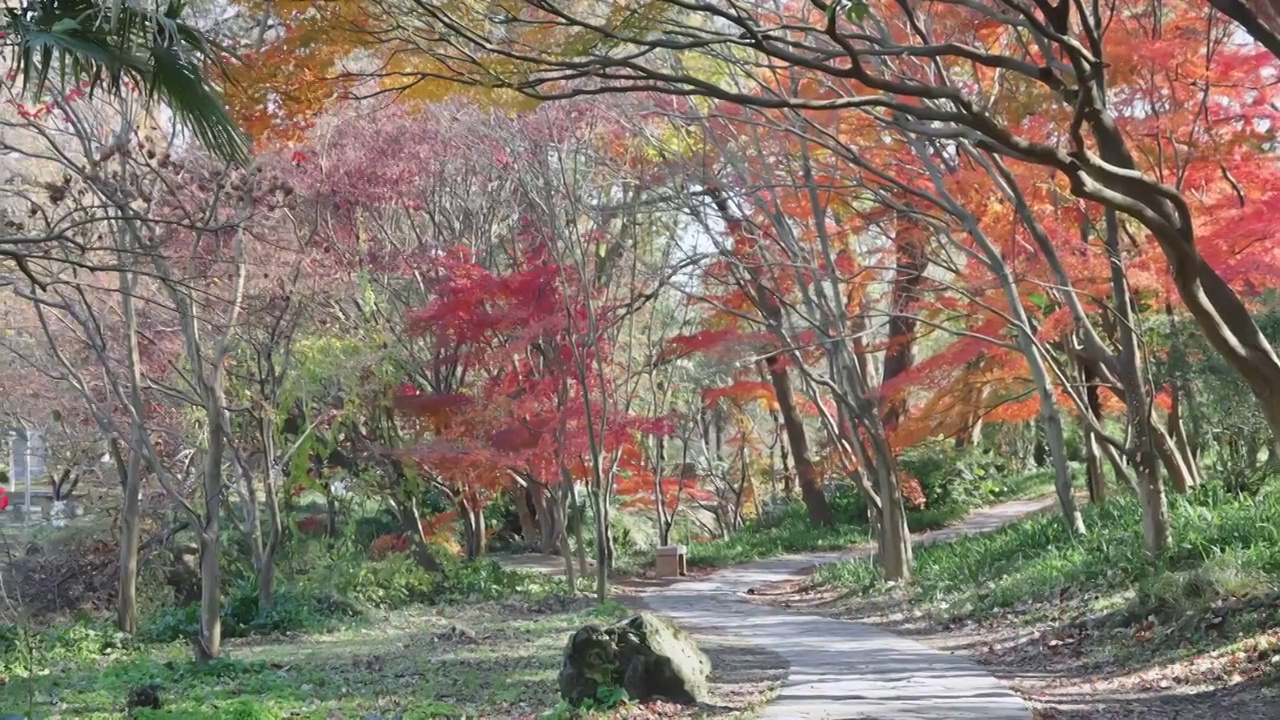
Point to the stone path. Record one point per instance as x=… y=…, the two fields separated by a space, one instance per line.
x=842 y=669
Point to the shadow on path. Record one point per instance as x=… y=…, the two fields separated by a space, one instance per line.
x=841 y=669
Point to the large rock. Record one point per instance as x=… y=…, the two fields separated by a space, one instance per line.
x=645 y=655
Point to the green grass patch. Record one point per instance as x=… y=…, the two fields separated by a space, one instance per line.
x=1225 y=547
x=788 y=530
x=755 y=542
x=484 y=660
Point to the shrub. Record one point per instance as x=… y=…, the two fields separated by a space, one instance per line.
x=385 y=545
x=368 y=528
x=23 y=649
x=313 y=525
x=295 y=609
x=394 y=582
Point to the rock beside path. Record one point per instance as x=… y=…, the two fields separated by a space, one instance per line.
x=646 y=655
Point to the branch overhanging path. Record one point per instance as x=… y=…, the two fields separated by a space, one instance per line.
x=843 y=669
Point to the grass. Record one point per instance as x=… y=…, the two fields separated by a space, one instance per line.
x=1225 y=548
x=791 y=532
x=756 y=543
x=485 y=660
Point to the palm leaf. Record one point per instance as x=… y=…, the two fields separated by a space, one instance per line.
x=91 y=40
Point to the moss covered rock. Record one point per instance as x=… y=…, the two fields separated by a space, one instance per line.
x=646 y=655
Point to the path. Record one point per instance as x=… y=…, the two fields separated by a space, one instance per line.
x=841 y=669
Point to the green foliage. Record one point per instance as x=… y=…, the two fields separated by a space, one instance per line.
x=23 y=650
x=106 y=44
x=608 y=697
x=785 y=533
x=398 y=581
x=965 y=478
x=1220 y=410
x=1225 y=546
x=954 y=483
x=296 y=609
x=368 y=527
x=410 y=664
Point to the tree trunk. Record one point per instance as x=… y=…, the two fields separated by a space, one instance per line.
x=600 y=509
x=130 y=539
x=659 y=501
x=473 y=526
x=1155 y=508
x=1092 y=451
x=411 y=522
x=788 y=477
x=131 y=470
x=1050 y=419
x=900 y=353
x=561 y=518
x=1180 y=476
x=550 y=517
x=522 y=498
x=274 y=535
x=210 y=569
x=1178 y=434
x=1142 y=424
x=480 y=533
x=810 y=489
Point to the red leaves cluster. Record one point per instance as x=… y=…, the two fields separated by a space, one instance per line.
x=387 y=545
x=519 y=341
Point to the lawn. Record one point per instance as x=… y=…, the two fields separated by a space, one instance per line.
x=488 y=660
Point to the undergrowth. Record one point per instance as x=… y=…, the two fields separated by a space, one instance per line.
x=950 y=495
x=480 y=659
x=340 y=596
x=1225 y=547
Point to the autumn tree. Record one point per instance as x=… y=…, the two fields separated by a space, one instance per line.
x=903 y=73
x=169 y=244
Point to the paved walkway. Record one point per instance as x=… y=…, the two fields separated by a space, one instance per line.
x=842 y=669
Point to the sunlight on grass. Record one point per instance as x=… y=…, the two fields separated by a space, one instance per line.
x=1215 y=555
x=489 y=659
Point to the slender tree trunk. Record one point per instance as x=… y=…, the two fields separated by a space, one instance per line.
x=810 y=489
x=893 y=551
x=473 y=526
x=210 y=569
x=130 y=538
x=1180 y=476
x=1093 y=453
x=1027 y=343
x=659 y=501
x=1142 y=425
x=1178 y=434
x=130 y=470
x=573 y=517
x=601 y=512
x=562 y=533
x=1050 y=418
x=275 y=519
x=411 y=521
x=788 y=477
x=481 y=532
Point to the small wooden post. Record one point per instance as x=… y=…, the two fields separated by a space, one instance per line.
x=671 y=561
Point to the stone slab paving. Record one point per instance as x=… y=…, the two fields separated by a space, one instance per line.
x=842 y=669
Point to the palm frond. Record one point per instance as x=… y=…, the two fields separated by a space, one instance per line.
x=106 y=43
